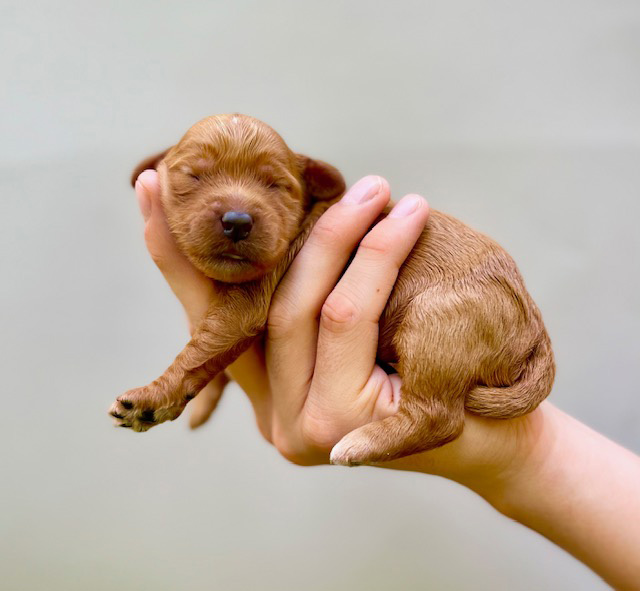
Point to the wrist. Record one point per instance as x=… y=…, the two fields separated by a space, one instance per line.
x=530 y=463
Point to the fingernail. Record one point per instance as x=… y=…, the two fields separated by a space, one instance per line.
x=143 y=200
x=363 y=190
x=406 y=206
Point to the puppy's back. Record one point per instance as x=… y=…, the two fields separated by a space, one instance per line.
x=455 y=270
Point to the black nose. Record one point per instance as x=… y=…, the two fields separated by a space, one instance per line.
x=236 y=225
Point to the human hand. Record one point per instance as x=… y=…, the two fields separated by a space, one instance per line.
x=318 y=380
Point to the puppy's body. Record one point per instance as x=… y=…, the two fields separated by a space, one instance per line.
x=459 y=326
x=464 y=334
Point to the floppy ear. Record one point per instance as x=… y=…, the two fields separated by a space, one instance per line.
x=322 y=180
x=150 y=162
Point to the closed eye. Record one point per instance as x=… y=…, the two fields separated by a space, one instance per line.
x=189 y=173
x=277 y=184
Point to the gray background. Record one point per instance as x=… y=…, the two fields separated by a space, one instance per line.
x=521 y=118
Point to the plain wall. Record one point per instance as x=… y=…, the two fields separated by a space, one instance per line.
x=520 y=118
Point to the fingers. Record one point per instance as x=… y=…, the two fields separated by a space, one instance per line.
x=191 y=287
x=296 y=305
x=348 y=335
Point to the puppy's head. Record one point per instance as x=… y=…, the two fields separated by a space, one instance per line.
x=235 y=195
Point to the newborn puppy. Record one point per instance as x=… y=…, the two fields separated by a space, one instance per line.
x=459 y=325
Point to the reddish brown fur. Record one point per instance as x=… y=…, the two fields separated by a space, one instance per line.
x=459 y=325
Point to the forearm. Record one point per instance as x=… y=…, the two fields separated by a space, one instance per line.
x=581 y=491
x=560 y=478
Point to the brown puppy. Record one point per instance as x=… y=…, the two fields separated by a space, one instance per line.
x=459 y=325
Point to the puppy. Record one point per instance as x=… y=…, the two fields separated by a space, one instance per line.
x=459 y=326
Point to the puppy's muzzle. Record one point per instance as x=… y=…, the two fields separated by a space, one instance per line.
x=236 y=225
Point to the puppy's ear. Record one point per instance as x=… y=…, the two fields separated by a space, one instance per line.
x=322 y=180
x=150 y=162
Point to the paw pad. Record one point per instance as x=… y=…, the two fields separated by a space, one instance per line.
x=148 y=416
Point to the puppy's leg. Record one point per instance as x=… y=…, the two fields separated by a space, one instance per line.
x=436 y=344
x=206 y=401
x=427 y=418
x=219 y=340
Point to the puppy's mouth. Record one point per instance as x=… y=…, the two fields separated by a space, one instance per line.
x=230 y=267
x=233 y=256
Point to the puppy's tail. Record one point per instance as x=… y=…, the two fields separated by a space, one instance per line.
x=525 y=395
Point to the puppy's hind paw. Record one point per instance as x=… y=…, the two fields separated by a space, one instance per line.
x=351 y=450
x=364 y=446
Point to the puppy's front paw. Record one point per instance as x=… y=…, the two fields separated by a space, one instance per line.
x=142 y=408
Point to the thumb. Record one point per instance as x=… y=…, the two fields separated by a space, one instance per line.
x=191 y=287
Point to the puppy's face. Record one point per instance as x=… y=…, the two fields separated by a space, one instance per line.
x=235 y=195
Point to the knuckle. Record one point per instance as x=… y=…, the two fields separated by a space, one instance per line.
x=339 y=313
x=377 y=245
x=319 y=435
x=288 y=449
x=279 y=320
x=325 y=232
x=283 y=316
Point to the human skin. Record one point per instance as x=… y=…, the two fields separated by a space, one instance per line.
x=314 y=379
